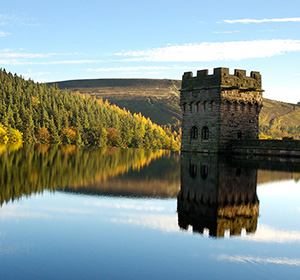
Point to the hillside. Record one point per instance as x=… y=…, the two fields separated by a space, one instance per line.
x=279 y=113
x=159 y=99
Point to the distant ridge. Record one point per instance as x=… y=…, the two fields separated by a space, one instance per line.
x=155 y=98
x=114 y=82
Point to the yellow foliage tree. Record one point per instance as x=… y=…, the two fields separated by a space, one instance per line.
x=15 y=136
x=3 y=135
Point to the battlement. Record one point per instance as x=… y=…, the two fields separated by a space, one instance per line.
x=221 y=79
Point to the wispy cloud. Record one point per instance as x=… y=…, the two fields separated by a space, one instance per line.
x=12 y=57
x=13 y=19
x=267 y=234
x=34 y=74
x=128 y=68
x=9 y=53
x=259 y=260
x=226 y=32
x=222 y=51
x=165 y=223
x=248 y=20
x=4 y=34
x=128 y=206
x=140 y=68
x=266 y=30
x=59 y=62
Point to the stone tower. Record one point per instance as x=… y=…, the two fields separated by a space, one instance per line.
x=219 y=108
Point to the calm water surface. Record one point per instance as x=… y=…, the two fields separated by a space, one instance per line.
x=75 y=213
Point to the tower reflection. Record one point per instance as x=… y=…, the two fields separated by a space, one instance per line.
x=217 y=196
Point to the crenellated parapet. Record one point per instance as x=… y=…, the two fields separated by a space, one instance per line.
x=222 y=79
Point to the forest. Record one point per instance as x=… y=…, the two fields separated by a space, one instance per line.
x=36 y=113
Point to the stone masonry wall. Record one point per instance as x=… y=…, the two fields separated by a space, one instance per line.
x=200 y=109
x=238 y=120
x=226 y=106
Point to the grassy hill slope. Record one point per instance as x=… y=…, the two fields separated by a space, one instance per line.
x=279 y=113
x=159 y=99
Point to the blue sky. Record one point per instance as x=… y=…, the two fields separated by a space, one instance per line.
x=63 y=40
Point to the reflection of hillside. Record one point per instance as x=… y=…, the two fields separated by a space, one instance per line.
x=217 y=196
x=265 y=176
x=160 y=179
x=149 y=187
x=35 y=168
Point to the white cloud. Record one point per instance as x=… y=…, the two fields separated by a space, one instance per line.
x=221 y=51
x=140 y=68
x=267 y=234
x=225 y=32
x=13 y=19
x=9 y=53
x=129 y=206
x=259 y=260
x=128 y=68
x=79 y=61
x=248 y=20
x=35 y=74
x=165 y=223
x=266 y=30
x=4 y=34
x=13 y=57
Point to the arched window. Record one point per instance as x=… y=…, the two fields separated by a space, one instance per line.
x=204 y=171
x=194 y=132
x=205 y=133
x=249 y=107
x=235 y=106
x=193 y=170
x=197 y=107
x=212 y=105
x=228 y=105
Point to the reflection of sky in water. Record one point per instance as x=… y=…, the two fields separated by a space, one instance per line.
x=118 y=237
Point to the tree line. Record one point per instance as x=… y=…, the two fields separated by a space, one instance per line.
x=37 y=113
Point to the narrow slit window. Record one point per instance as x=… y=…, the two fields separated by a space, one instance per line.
x=205 y=133
x=194 y=132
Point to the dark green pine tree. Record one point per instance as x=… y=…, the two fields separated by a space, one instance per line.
x=18 y=121
x=54 y=136
x=28 y=130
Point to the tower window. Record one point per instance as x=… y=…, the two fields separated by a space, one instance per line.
x=194 y=132
x=204 y=171
x=198 y=107
x=205 y=133
x=193 y=170
x=211 y=106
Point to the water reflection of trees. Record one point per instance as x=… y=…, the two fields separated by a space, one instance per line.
x=32 y=169
x=217 y=196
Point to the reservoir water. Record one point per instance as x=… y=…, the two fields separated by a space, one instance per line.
x=79 y=213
